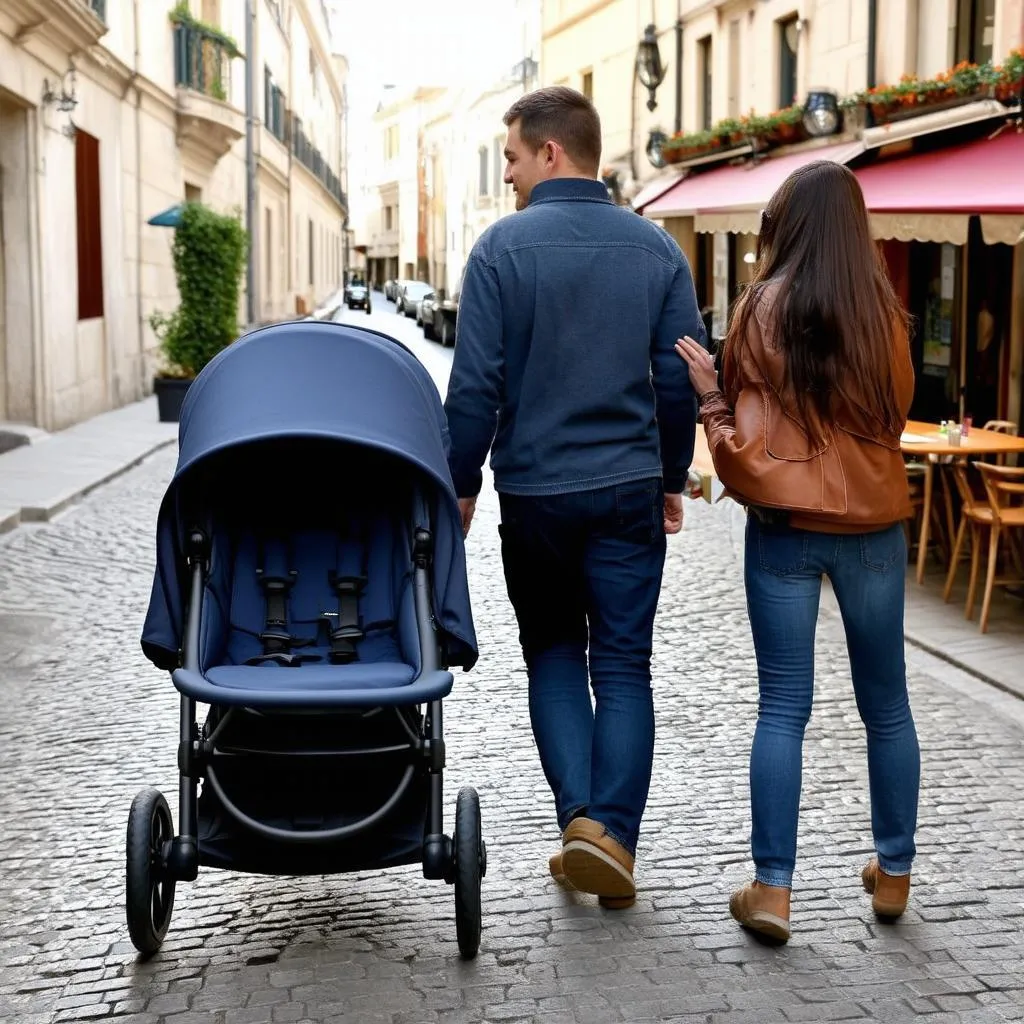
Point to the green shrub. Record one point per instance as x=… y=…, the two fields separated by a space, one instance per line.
x=210 y=251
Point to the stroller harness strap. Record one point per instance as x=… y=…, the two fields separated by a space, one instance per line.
x=348 y=580
x=276 y=578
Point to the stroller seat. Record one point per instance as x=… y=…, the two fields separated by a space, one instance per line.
x=379 y=674
x=319 y=614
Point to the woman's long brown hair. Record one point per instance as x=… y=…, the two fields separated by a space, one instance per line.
x=835 y=314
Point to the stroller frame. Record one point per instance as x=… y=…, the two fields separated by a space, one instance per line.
x=157 y=858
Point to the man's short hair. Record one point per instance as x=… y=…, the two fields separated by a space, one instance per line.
x=564 y=115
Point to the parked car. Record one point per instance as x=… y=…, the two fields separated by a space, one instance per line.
x=410 y=293
x=445 y=317
x=356 y=296
x=425 y=314
x=395 y=289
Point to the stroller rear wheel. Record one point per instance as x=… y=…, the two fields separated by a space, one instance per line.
x=149 y=890
x=470 y=856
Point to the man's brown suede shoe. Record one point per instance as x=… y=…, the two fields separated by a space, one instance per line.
x=763 y=909
x=594 y=862
x=889 y=893
x=556 y=868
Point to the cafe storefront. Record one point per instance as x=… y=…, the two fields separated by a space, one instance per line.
x=948 y=210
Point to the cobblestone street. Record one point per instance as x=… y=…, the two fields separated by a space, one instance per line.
x=88 y=722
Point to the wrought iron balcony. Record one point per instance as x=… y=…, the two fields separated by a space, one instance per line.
x=202 y=61
x=209 y=124
x=312 y=159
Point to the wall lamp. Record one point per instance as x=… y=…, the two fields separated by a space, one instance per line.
x=649 y=68
x=821 y=112
x=655 y=148
x=66 y=100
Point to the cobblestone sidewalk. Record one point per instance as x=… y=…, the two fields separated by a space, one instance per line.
x=87 y=722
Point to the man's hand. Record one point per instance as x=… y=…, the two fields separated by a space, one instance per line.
x=467 y=508
x=673 y=513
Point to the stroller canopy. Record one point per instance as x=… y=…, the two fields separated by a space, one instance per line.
x=322 y=382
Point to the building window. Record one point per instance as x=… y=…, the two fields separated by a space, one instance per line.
x=314 y=73
x=588 y=85
x=734 y=68
x=387 y=218
x=789 y=36
x=268 y=251
x=312 y=250
x=87 y=213
x=499 y=164
x=975 y=28
x=704 y=69
x=273 y=106
x=484 y=182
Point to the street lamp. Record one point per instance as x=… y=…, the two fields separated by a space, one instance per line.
x=821 y=112
x=649 y=68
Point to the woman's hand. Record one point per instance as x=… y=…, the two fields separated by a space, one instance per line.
x=703 y=375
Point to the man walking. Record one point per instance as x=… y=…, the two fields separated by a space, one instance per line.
x=565 y=362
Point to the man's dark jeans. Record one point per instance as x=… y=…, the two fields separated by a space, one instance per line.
x=584 y=571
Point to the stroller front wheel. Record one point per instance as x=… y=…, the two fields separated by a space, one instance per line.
x=149 y=889
x=470 y=857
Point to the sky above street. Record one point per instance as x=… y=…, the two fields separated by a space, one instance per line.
x=410 y=43
x=407 y=43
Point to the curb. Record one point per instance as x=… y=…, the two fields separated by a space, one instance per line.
x=9 y=521
x=974 y=673
x=42 y=514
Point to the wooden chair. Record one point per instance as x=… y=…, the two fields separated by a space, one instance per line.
x=1001 y=427
x=999 y=516
x=940 y=535
x=973 y=509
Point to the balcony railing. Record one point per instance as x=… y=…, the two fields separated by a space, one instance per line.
x=311 y=158
x=99 y=8
x=201 y=61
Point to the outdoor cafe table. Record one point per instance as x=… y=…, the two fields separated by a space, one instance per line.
x=927 y=439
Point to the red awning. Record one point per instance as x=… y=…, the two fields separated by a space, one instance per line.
x=654 y=189
x=979 y=177
x=743 y=189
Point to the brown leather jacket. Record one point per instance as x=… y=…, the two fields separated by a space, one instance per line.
x=855 y=481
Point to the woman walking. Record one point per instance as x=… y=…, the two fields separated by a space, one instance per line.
x=805 y=431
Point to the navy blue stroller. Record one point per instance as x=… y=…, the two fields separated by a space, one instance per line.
x=310 y=588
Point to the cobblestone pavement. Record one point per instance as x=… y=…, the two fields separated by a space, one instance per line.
x=87 y=722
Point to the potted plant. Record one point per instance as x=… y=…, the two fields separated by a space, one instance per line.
x=732 y=131
x=1008 y=81
x=209 y=250
x=786 y=125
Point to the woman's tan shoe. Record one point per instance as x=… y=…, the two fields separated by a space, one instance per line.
x=889 y=893
x=594 y=862
x=763 y=909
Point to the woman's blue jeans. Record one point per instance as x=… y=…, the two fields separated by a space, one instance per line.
x=784 y=568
